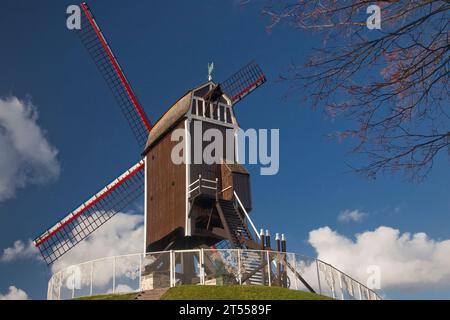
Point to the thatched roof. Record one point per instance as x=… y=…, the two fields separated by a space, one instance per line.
x=169 y=119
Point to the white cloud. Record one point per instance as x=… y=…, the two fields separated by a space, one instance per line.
x=20 y=251
x=351 y=216
x=121 y=288
x=122 y=235
x=26 y=156
x=406 y=261
x=14 y=294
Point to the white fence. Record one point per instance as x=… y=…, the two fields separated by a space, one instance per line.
x=139 y=272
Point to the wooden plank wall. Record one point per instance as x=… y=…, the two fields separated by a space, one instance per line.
x=166 y=195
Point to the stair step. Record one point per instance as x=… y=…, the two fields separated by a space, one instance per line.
x=154 y=294
x=235 y=223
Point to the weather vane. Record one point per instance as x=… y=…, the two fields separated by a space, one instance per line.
x=210 y=70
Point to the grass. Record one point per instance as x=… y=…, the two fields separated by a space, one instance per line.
x=192 y=292
x=237 y=293
x=128 y=296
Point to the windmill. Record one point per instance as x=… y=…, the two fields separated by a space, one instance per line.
x=185 y=205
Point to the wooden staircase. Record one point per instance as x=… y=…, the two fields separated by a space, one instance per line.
x=251 y=261
x=240 y=238
x=233 y=223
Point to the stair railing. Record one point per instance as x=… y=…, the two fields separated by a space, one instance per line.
x=246 y=215
x=273 y=264
x=144 y=272
x=202 y=183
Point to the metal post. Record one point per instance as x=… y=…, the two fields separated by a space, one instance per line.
x=278 y=243
x=92 y=277
x=340 y=285
x=268 y=245
x=172 y=282
x=269 y=276
x=318 y=277
x=333 y=291
x=217 y=184
x=284 y=256
x=262 y=247
x=239 y=252
x=360 y=292
x=141 y=256
x=202 y=266
x=183 y=271
x=114 y=276
x=352 y=283
x=263 y=239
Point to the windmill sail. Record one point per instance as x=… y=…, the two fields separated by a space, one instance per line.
x=87 y=218
x=243 y=82
x=93 y=39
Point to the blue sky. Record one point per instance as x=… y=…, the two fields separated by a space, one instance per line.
x=164 y=48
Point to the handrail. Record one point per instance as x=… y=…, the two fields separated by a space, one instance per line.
x=225 y=189
x=56 y=282
x=345 y=274
x=247 y=216
x=192 y=190
x=210 y=181
x=250 y=220
x=202 y=183
x=196 y=181
x=211 y=188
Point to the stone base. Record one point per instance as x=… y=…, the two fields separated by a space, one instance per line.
x=155 y=281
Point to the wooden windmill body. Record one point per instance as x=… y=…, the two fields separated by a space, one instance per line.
x=192 y=204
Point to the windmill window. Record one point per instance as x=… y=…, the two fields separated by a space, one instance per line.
x=201 y=110
x=228 y=115
x=194 y=107
x=215 y=109
x=221 y=113
x=208 y=110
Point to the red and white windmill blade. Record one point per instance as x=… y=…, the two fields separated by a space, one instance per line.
x=91 y=215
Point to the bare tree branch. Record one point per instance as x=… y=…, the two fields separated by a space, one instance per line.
x=392 y=84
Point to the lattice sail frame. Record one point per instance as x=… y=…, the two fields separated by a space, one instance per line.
x=95 y=42
x=95 y=212
x=243 y=82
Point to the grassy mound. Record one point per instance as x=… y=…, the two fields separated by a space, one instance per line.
x=192 y=292
x=237 y=293
x=128 y=296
